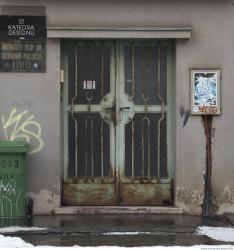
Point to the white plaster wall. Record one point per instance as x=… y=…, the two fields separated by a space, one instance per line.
x=38 y=94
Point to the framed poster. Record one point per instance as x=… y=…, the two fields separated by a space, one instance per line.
x=205 y=92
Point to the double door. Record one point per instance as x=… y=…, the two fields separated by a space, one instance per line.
x=117 y=139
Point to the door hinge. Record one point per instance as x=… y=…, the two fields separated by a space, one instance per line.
x=62 y=75
x=61 y=84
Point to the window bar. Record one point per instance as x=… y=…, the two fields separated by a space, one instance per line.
x=87 y=96
x=133 y=138
x=102 y=153
x=89 y=118
x=133 y=72
x=148 y=74
x=148 y=147
x=143 y=71
x=72 y=113
x=142 y=149
x=102 y=71
x=162 y=107
x=92 y=152
x=145 y=98
x=86 y=148
x=145 y=119
x=132 y=96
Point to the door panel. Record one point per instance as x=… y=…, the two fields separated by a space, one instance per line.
x=144 y=175
x=117 y=124
x=89 y=177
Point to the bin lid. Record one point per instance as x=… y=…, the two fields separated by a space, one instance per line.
x=13 y=147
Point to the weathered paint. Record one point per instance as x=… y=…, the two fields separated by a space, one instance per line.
x=84 y=194
x=222 y=199
x=118 y=107
x=211 y=46
x=147 y=194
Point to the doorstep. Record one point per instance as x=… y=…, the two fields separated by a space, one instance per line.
x=118 y=210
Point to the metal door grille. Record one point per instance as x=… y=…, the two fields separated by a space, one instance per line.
x=141 y=146
x=88 y=147
x=88 y=133
x=117 y=112
x=146 y=134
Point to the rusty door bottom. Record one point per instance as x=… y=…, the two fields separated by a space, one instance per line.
x=105 y=194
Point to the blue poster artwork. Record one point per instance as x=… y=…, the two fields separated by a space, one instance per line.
x=205 y=89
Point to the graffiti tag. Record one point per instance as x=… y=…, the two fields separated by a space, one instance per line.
x=23 y=126
x=9 y=196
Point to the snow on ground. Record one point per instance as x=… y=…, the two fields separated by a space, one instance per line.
x=15 y=242
x=6 y=241
x=217 y=233
x=17 y=229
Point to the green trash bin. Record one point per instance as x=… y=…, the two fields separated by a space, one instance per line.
x=13 y=179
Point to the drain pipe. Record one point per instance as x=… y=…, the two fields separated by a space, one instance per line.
x=207 y=122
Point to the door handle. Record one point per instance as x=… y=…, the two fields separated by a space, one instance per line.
x=122 y=108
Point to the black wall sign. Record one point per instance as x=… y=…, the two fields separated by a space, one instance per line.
x=22 y=44
x=22 y=56
x=22 y=27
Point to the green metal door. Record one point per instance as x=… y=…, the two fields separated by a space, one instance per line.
x=116 y=114
x=143 y=141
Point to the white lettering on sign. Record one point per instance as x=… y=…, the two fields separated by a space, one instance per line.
x=89 y=85
x=21 y=30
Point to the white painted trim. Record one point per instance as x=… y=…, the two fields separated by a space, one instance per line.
x=120 y=33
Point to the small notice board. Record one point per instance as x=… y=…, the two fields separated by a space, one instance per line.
x=22 y=44
x=205 y=91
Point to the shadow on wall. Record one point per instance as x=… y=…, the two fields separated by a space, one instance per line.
x=185 y=114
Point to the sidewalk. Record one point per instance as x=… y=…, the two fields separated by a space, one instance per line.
x=117 y=230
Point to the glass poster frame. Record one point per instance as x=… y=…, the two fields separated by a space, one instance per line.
x=205 y=91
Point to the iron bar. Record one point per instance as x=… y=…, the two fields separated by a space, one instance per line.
x=89 y=118
x=102 y=153
x=163 y=108
x=92 y=149
x=133 y=72
x=145 y=98
x=145 y=119
x=72 y=112
x=89 y=98
x=102 y=71
x=133 y=139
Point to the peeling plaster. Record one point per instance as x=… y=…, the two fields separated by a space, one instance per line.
x=189 y=200
x=223 y=202
x=44 y=202
x=226 y=196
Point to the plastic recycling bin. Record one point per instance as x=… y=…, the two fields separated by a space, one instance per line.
x=13 y=179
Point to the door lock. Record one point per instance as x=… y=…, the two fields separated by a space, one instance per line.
x=121 y=109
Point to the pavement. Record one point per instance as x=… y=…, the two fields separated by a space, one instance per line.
x=129 y=230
